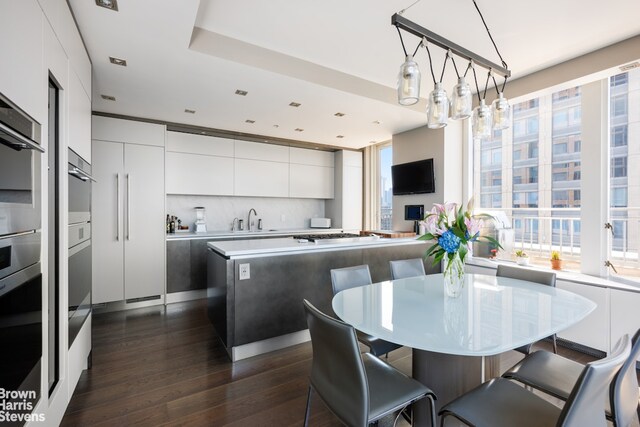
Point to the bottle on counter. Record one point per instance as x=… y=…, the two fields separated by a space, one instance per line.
x=172 y=225
x=240 y=224
x=259 y=223
x=168 y=224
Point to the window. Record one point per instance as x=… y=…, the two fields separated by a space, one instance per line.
x=525 y=199
x=619 y=80
x=525 y=175
x=560 y=148
x=618 y=167
x=385 y=155
x=619 y=105
x=619 y=197
x=619 y=135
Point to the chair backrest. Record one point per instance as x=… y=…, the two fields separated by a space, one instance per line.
x=337 y=370
x=586 y=403
x=350 y=277
x=542 y=277
x=624 y=389
x=404 y=268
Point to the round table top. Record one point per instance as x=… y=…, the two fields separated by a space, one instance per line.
x=491 y=316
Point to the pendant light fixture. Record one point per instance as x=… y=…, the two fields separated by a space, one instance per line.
x=409 y=82
x=485 y=118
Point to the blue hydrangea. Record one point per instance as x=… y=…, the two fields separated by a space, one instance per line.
x=449 y=242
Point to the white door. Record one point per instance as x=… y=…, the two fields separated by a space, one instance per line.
x=145 y=231
x=107 y=225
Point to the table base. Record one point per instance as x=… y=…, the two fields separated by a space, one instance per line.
x=449 y=376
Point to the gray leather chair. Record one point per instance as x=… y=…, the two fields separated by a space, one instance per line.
x=353 y=277
x=404 y=268
x=500 y=402
x=358 y=388
x=542 y=277
x=556 y=375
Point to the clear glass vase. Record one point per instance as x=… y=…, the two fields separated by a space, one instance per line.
x=453 y=276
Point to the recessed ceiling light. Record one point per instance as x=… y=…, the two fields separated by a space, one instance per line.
x=249 y=121
x=340 y=136
x=294 y=104
x=276 y=126
x=339 y=114
x=203 y=133
x=372 y=142
x=118 y=61
x=376 y=122
x=186 y=110
x=108 y=4
x=108 y=97
x=299 y=130
x=241 y=92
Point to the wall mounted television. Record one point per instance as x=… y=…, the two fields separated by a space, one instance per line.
x=413 y=178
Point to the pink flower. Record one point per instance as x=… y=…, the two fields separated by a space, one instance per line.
x=473 y=225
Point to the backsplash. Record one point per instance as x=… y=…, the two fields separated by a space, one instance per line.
x=276 y=213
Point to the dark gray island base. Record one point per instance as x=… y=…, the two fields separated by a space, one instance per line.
x=265 y=312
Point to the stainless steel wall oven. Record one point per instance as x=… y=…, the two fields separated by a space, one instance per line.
x=20 y=185
x=79 y=243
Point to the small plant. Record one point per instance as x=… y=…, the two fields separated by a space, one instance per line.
x=521 y=257
x=556 y=261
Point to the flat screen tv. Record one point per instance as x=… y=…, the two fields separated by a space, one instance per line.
x=413 y=178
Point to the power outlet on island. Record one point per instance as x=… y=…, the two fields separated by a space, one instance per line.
x=245 y=272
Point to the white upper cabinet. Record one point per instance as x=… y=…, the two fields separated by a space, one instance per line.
x=311 y=182
x=261 y=178
x=199 y=144
x=129 y=131
x=304 y=156
x=23 y=78
x=259 y=151
x=199 y=175
x=79 y=118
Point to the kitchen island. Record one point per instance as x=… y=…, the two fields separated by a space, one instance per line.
x=255 y=288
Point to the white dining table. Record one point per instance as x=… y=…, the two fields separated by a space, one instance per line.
x=457 y=342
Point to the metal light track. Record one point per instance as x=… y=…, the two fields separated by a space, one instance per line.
x=419 y=31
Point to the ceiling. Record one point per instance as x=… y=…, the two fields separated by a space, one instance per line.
x=332 y=56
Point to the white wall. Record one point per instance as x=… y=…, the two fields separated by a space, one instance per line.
x=445 y=147
x=221 y=210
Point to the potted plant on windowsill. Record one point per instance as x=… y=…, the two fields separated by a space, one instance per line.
x=556 y=262
x=521 y=257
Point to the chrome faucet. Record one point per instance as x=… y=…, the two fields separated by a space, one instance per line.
x=249 y=226
x=233 y=224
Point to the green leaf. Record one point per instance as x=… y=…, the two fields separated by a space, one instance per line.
x=463 y=252
x=427 y=236
x=490 y=240
x=438 y=258
x=458 y=232
x=432 y=249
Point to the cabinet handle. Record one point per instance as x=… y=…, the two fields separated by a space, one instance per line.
x=128 y=207
x=117 y=207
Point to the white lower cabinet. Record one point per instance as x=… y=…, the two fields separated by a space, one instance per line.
x=593 y=330
x=128 y=221
x=624 y=314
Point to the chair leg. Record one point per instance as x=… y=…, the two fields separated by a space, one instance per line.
x=308 y=408
x=432 y=405
x=555 y=344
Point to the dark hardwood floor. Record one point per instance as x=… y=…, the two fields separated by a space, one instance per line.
x=165 y=366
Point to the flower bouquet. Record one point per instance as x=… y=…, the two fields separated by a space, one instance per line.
x=454 y=229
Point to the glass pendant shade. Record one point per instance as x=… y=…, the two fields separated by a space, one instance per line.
x=501 y=111
x=461 y=100
x=409 y=82
x=437 y=108
x=482 y=121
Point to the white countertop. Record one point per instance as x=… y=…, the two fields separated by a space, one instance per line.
x=493 y=314
x=244 y=248
x=245 y=234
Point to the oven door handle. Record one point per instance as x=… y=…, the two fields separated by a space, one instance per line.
x=79 y=173
x=13 y=139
